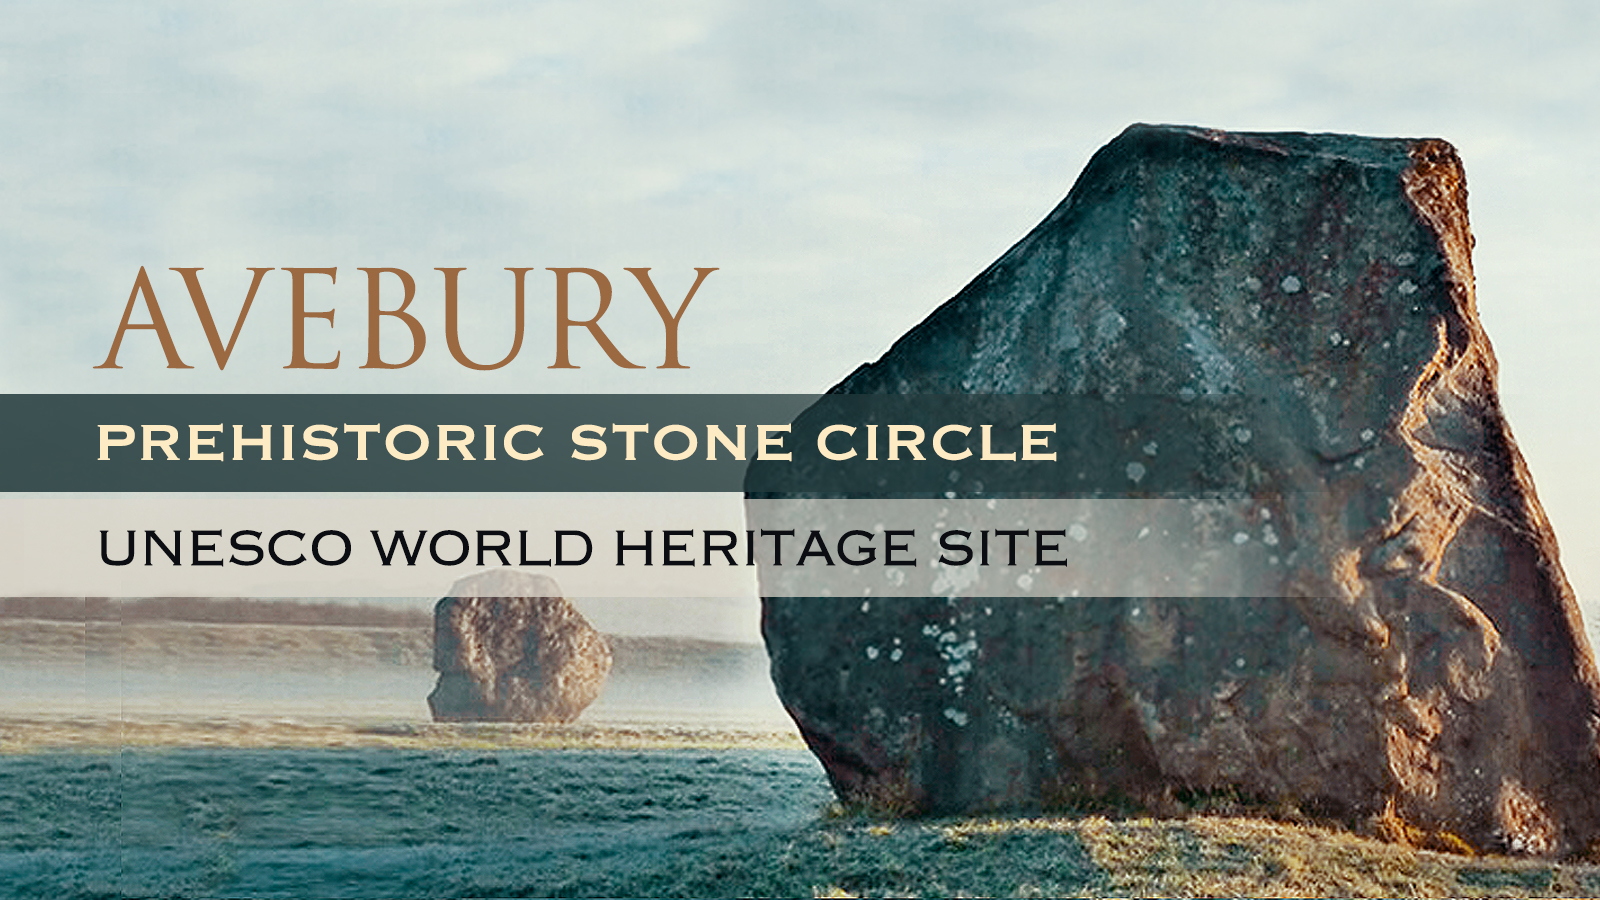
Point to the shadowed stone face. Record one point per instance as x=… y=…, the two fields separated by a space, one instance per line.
x=1305 y=305
x=509 y=648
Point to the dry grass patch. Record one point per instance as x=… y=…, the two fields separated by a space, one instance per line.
x=1209 y=857
x=1199 y=856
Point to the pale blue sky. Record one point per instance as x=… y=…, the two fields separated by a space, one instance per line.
x=847 y=166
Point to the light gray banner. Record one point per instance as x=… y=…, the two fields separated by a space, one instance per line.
x=634 y=545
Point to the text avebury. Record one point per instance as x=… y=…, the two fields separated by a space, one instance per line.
x=299 y=313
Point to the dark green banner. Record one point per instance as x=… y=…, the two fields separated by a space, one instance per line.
x=839 y=445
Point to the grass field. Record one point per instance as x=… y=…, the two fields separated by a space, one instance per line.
x=838 y=854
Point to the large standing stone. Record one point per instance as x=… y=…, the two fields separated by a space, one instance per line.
x=509 y=648
x=1305 y=305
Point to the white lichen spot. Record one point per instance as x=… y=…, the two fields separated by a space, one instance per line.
x=872 y=653
x=1405 y=259
x=1109 y=326
x=1269 y=536
x=956 y=657
x=1134 y=612
x=1290 y=284
x=895 y=654
x=1367 y=434
x=1407 y=288
x=1216 y=373
x=956 y=716
x=1135 y=472
x=1144 y=533
x=1150 y=449
x=1272 y=560
x=895 y=577
x=1077 y=532
x=1025 y=582
x=1360 y=463
x=1335 y=338
x=1242 y=435
x=866 y=606
x=1238 y=663
x=1252 y=283
x=951 y=581
x=1240 y=538
x=954 y=476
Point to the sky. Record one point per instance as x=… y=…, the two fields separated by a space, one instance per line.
x=846 y=167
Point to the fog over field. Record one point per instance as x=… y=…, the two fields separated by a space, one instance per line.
x=151 y=668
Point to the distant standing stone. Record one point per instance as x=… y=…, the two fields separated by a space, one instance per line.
x=1304 y=305
x=509 y=648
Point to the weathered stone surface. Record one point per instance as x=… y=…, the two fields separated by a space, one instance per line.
x=509 y=648
x=1306 y=305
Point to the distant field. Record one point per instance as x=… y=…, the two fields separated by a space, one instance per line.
x=137 y=643
x=281 y=632
x=156 y=678
x=31 y=735
x=215 y=610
